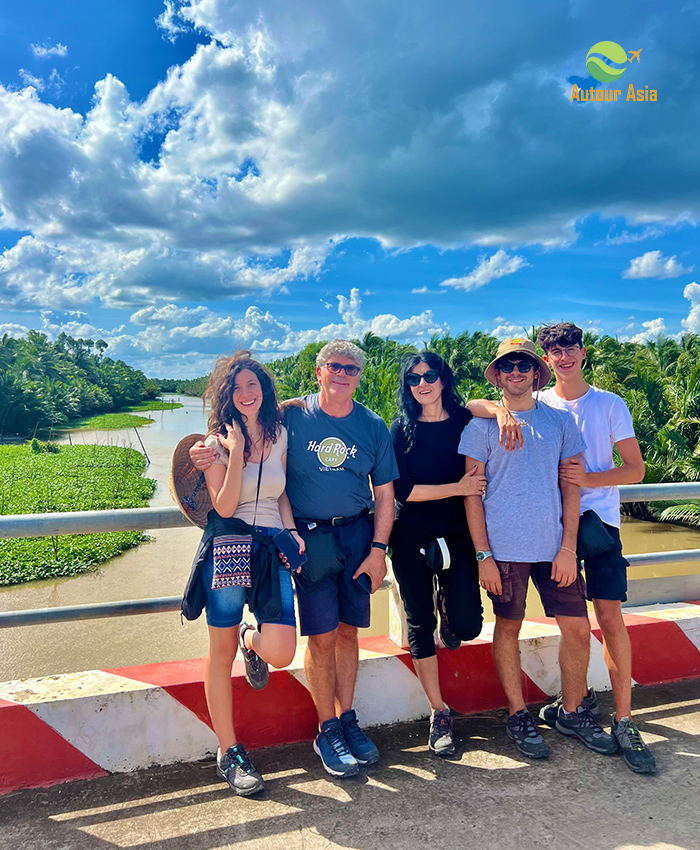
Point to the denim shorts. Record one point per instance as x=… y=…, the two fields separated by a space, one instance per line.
x=337 y=598
x=557 y=601
x=224 y=606
x=606 y=574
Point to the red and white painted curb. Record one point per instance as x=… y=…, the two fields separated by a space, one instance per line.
x=84 y=725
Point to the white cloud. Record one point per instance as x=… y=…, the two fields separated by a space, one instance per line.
x=170 y=22
x=655 y=230
x=486 y=270
x=420 y=290
x=12 y=329
x=43 y=51
x=508 y=331
x=30 y=79
x=298 y=125
x=654 y=264
x=652 y=330
x=692 y=322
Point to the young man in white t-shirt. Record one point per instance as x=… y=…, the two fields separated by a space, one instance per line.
x=605 y=421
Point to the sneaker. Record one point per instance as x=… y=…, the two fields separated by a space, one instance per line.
x=447 y=636
x=637 y=755
x=358 y=743
x=521 y=728
x=236 y=768
x=441 y=740
x=331 y=748
x=257 y=673
x=548 y=713
x=582 y=724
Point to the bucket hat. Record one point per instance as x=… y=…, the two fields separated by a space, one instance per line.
x=187 y=486
x=518 y=345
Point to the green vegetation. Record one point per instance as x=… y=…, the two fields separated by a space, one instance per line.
x=154 y=405
x=186 y=386
x=111 y=422
x=45 y=385
x=43 y=478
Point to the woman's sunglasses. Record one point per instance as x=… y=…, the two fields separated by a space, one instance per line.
x=507 y=366
x=350 y=369
x=413 y=379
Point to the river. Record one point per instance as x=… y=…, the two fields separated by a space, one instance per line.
x=160 y=568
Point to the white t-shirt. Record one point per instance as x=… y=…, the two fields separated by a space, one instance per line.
x=604 y=420
x=272 y=483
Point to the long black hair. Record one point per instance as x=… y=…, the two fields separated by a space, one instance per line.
x=219 y=394
x=409 y=408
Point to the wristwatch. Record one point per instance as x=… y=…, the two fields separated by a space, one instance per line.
x=482 y=556
x=378 y=545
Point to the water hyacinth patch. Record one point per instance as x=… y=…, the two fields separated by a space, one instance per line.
x=75 y=478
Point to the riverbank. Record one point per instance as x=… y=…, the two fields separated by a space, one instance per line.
x=45 y=478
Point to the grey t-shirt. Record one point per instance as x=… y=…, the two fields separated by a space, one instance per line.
x=523 y=502
x=330 y=460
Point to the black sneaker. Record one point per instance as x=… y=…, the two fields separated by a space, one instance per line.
x=236 y=768
x=582 y=724
x=257 y=673
x=548 y=713
x=441 y=740
x=358 y=743
x=635 y=752
x=521 y=728
x=447 y=636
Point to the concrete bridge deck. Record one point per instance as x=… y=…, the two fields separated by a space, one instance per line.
x=488 y=797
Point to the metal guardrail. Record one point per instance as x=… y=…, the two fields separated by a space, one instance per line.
x=141 y=519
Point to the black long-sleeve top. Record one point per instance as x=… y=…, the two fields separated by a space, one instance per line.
x=432 y=459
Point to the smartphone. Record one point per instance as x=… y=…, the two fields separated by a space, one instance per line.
x=365 y=582
x=288 y=546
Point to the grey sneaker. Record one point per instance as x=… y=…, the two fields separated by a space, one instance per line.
x=236 y=768
x=637 y=755
x=582 y=724
x=441 y=740
x=548 y=713
x=521 y=728
x=257 y=673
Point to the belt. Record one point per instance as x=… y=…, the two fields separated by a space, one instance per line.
x=336 y=520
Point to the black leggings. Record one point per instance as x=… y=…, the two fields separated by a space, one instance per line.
x=460 y=584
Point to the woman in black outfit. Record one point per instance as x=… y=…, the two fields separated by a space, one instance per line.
x=431 y=491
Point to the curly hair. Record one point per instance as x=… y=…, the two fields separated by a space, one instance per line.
x=219 y=394
x=563 y=334
x=340 y=348
x=409 y=408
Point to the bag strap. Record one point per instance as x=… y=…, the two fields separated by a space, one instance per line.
x=257 y=492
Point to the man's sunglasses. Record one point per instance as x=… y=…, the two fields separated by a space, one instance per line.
x=507 y=366
x=413 y=379
x=350 y=369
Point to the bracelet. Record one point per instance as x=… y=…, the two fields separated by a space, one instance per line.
x=566 y=549
x=293 y=528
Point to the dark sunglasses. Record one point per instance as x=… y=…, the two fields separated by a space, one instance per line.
x=507 y=366
x=350 y=369
x=412 y=379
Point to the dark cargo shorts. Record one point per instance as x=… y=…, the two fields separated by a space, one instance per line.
x=557 y=601
x=606 y=574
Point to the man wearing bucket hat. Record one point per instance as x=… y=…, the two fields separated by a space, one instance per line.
x=525 y=527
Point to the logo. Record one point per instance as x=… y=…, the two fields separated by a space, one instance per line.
x=603 y=72
x=331 y=451
x=611 y=51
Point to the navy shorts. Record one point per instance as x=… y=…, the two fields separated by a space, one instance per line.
x=337 y=598
x=606 y=574
x=224 y=606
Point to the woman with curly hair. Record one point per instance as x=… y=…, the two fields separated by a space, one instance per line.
x=431 y=491
x=245 y=482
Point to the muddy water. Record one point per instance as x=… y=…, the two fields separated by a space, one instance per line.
x=161 y=567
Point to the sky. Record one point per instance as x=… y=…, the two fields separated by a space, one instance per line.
x=189 y=177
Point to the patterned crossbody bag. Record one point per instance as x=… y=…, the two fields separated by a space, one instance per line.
x=232 y=552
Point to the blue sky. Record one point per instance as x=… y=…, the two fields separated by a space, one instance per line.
x=188 y=177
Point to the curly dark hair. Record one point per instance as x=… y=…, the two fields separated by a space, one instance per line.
x=219 y=394
x=562 y=334
x=409 y=408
